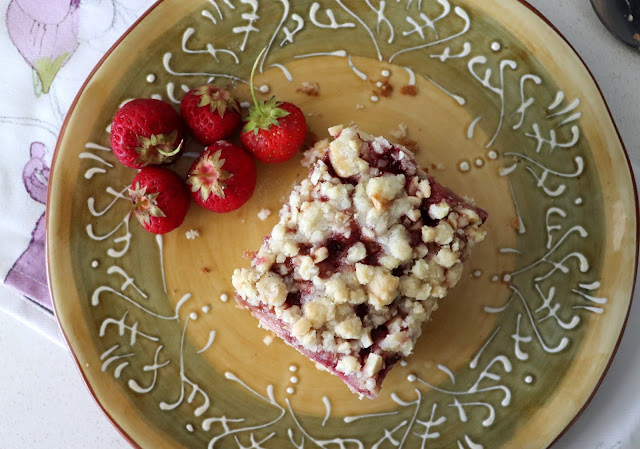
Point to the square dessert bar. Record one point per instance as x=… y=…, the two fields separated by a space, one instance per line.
x=364 y=248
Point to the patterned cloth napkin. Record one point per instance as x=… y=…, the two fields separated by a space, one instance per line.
x=47 y=48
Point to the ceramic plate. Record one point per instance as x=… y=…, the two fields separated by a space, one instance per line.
x=497 y=106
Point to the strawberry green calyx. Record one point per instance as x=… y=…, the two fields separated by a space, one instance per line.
x=263 y=114
x=145 y=205
x=157 y=148
x=217 y=99
x=208 y=177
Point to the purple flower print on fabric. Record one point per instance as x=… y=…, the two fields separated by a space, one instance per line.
x=28 y=274
x=45 y=32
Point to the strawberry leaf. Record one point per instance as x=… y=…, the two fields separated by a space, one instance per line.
x=157 y=148
x=208 y=177
x=264 y=115
x=145 y=205
x=217 y=99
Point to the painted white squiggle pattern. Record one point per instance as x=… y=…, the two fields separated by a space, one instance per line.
x=552 y=141
x=91 y=172
x=542 y=178
x=486 y=82
x=412 y=76
x=114 y=358
x=126 y=238
x=339 y=53
x=350 y=419
x=123 y=327
x=217 y=8
x=446 y=53
x=184 y=381
x=284 y=70
x=525 y=103
x=285 y=14
x=545 y=259
x=472 y=127
x=212 y=337
x=470 y=443
x=251 y=18
x=206 y=424
x=460 y=407
x=433 y=422
x=128 y=280
x=447 y=371
x=552 y=308
x=355 y=70
x=290 y=34
x=171 y=93
x=474 y=362
x=327 y=407
x=461 y=101
x=209 y=16
x=467 y=24
x=95 y=146
x=428 y=23
x=166 y=61
x=333 y=23
x=341 y=442
x=160 y=244
x=564 y=341
x=111 y=191
x=100 y=291
x=210 y=49
x=382 y=19
x=364 y=25
x=518 y=339
x=500 y=360
x=559 y=98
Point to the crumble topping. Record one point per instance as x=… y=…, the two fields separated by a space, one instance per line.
x=363 y=250
x=264 y=214
x=317 y=151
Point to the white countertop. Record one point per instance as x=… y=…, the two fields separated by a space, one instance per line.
x=44 y=403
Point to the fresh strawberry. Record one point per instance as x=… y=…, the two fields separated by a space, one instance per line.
x=160 y=199
x=273 y=131
x=223 y=178
x=146 y=132
x=211 y=113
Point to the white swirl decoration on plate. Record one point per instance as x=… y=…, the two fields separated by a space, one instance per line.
x=551 y=291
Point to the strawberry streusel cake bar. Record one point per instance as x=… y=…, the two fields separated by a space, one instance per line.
x=364 y=248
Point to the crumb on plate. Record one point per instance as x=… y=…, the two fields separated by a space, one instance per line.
x=310 y=88
x=383 y=88
x=409 y=89
x=192 y=234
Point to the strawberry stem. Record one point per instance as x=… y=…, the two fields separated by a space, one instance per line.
x=253 y=71
x=263 y=114
x=171 y=153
